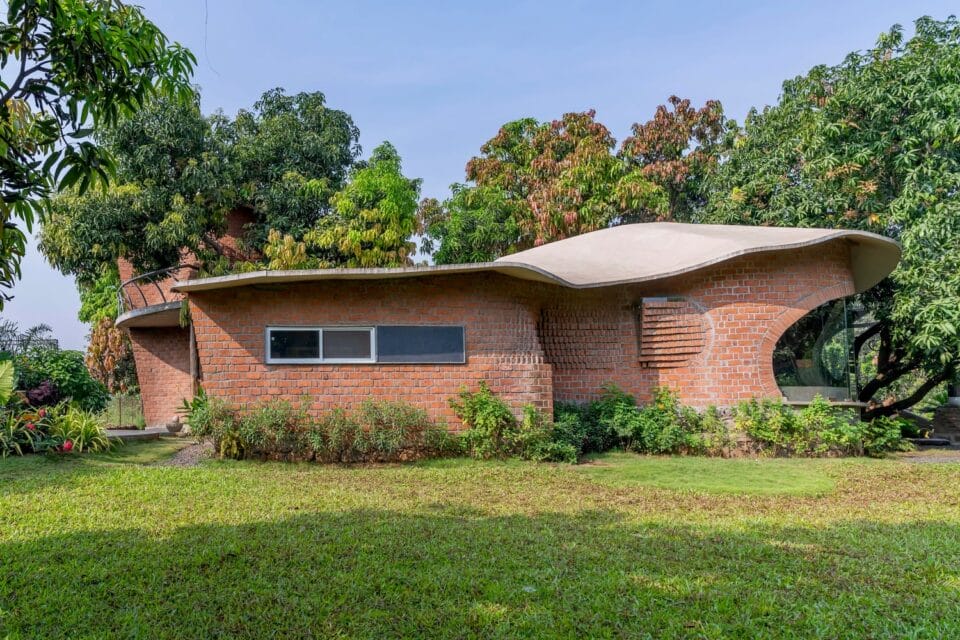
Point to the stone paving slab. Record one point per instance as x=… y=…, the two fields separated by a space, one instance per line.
x=153 y=433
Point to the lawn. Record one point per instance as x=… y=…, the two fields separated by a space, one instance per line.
x=625 y=546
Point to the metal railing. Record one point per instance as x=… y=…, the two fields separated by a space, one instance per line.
x=138 y=292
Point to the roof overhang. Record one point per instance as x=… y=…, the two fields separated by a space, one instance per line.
x=626 y=254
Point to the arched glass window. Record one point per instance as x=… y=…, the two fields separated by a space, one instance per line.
x=814 y=356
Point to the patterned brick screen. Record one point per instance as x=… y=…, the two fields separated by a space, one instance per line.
x=671 y=332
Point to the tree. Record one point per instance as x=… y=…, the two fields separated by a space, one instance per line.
x=172 y=189
x=374 y=215
x=289 y=156
x=76 y=66
x=677 y=150
x=180 y=173
x=874 y=144
x=535 y=183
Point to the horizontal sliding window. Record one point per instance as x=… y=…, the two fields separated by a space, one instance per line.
x=423 y=344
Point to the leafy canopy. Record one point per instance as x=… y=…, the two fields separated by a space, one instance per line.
x=874 y=144
x=179 y=173
x=538 y=182
x=374 y=215
x=75 y=66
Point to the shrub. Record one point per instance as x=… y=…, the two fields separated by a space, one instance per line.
x=82 y=429
x=615 y=418
x=274 y=428
x=67 y=371
x=393 y=427
x=770 y=423
x=885 y=434
x=491 y=427
x=212 y=418
x=538 y=440
x=817 y=429
x=44 y=394
x=714 y=433
x=572 y=425
x=337 y=437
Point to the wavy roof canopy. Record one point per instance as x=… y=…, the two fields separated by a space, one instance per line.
x=618 y=255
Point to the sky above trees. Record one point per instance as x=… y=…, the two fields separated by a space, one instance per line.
x=438 y=82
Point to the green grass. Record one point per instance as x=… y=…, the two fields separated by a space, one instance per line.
x=106 y=546
x=714 y=475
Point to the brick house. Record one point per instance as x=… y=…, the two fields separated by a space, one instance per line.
x=698 y=308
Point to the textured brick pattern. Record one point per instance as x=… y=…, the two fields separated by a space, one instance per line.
x=163 y=368
x=671 y=332
x=497 y=312
x=747 y=304
x=562 y=329
x=533 y=342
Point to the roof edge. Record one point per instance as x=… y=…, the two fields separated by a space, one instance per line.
x=873 y=257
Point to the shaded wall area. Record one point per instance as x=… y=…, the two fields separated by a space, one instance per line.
x=163 y=368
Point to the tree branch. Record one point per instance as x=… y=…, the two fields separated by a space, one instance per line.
x=909 y=401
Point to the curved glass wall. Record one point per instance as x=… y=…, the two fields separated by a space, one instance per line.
x=814 y=356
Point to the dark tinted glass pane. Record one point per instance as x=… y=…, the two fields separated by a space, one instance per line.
x=347 y=343
x=420 y=344
x=291 y=344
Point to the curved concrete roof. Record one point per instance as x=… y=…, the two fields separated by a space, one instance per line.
x=656 y=250
x=619 y=255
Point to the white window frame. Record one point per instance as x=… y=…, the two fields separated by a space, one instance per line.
x=321 y=359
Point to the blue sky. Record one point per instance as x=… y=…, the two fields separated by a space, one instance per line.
x=438 y=79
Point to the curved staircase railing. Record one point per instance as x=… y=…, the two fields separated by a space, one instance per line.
x=150 y=289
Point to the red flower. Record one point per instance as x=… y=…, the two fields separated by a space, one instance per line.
x=67 y=445
x=31 y=426
x=42 y=413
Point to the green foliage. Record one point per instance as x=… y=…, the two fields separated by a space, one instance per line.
x=377 y=431
x=374 y=215
x=6 y=381
x=884 y=434
x=62 y=428
x=540 y=441
x=83 y=429
x=98 y=300
x=870 y=144
x=179 y=173
x=337 y=437
x=491 y=426
x=817 y=429
x=534 y=183
x=75 y=66
x=66 y=369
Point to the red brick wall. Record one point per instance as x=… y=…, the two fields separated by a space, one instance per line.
x=498 y=313
x=532 y=342
x=747 y=304
x=163 y=369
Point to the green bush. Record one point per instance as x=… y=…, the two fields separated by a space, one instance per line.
x=274 y=427
x=67 y=371
x=82 y=429
x=491 y=427
x=572 y=425
x=885 y=434
x=614 y=417
x=337 y=437
x=393 y=427
x=817 y=429
x=212 y=418
x=538 y=440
